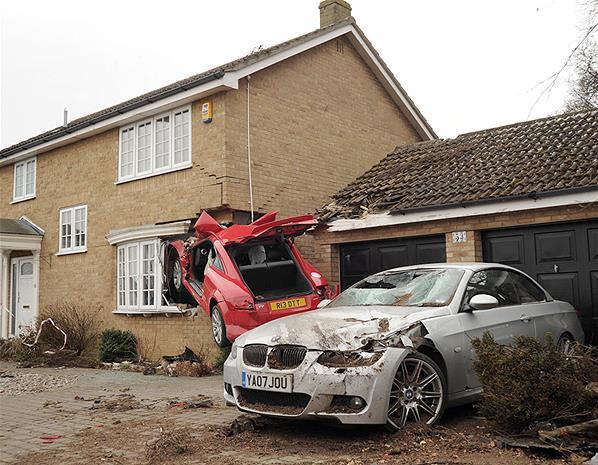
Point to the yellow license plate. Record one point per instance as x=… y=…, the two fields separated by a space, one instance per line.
x=287 y=304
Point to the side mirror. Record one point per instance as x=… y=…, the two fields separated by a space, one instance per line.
x=323 y=303
x=483 y=302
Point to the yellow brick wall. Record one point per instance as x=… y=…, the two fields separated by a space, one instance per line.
x=318 y=120
x=327 y=243
x=85 y=172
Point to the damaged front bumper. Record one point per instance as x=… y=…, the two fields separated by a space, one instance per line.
x=351 y=394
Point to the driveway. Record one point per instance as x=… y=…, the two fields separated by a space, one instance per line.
x=74 y=400
x=84 y=416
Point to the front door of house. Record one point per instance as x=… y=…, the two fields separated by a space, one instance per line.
x=22 y=295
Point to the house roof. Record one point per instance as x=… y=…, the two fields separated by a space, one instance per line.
x=523 y=160
x=20 y=227
x=210 y=75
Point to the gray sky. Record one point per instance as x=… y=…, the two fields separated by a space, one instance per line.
x=467 y=64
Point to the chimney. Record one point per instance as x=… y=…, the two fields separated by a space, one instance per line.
x=333 y=11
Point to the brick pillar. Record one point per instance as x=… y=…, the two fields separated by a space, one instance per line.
x=463 y=246
x=333 y=11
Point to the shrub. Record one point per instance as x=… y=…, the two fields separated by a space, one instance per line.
x=532 y=381
x=81 y=323
x=117 y=345
x=221 y=357
x=14 y=350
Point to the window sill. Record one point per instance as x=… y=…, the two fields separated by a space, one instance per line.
x=157 y=173
x=23 y=199
x=70 y=252
x=149 y=312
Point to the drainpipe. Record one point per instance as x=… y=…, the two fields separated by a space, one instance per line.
x=249 y=153
x=4 y=304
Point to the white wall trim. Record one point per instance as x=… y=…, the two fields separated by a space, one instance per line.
x=118 y=236
x=377 y=220
x=20 y=242
x=32 y=224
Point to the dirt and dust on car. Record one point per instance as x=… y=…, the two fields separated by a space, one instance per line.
x=243 y=275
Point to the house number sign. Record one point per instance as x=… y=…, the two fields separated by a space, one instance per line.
x=459 y=237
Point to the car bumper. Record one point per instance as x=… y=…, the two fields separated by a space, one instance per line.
x=315 y=386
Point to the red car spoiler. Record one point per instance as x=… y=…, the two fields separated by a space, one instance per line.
x=264 y=227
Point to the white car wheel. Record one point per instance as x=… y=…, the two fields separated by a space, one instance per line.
x=418 y=393
x=565 y=344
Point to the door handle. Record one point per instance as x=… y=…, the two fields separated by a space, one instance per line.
x=525 y=318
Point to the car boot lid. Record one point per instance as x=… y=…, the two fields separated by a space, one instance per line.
x=265 y=227
x=339 y=329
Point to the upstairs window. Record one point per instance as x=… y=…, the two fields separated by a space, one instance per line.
x=73 y=229
x=24 y=180
x=156 y=145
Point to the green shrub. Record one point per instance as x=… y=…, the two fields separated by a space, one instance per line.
x=532 y=381
x=117 y=345
x=221 y=357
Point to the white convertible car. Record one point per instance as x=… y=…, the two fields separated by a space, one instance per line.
x=394 y=348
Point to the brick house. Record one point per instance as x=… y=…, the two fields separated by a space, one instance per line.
x=103 y=190
x=524 y=194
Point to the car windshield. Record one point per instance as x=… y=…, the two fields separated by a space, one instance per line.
x=410 y=288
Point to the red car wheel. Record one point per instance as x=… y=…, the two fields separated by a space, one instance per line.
x=219 y=328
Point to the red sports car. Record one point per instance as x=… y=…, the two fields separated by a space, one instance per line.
x=244 y=275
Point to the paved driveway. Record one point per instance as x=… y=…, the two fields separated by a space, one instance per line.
x=28 y=417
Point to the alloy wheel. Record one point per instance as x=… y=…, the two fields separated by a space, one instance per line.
x=177 y=274
x=417 y=394
x=217 y=326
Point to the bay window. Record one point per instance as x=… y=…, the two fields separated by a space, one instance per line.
x=139 y=280
x=156 y=145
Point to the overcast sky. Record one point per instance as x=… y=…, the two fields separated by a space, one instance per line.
x=467 y=64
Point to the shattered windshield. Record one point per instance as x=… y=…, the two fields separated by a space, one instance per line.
x=411 y=288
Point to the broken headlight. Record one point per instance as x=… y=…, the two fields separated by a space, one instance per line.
x=359 y=358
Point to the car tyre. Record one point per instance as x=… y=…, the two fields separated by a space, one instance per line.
x=565 y=343
x=219 y=328
x=177 y=289
x=418 y=394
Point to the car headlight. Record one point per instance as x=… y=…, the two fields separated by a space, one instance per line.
x=233 y=351
x=334 y=359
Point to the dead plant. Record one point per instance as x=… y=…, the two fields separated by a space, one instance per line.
x=81 y=323
x=145 y=346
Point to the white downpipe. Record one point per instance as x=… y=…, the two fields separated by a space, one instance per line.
x=249 y=153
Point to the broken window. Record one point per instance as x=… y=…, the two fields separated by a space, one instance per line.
x=410 y=288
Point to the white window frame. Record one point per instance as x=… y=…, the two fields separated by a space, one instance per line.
x=153 y=171
x=123 y=279
x=26 y=181
x=72 y=233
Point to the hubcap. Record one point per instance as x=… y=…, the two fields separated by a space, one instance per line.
x=564 y=345
x=177 y=277
x=416 y=395
x=217 y=326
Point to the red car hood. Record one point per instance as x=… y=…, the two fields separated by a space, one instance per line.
x=266 y=226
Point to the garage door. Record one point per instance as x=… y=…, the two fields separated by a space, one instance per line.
x=563 y=258
x=363 y=259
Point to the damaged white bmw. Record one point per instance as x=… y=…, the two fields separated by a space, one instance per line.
x=392 y=349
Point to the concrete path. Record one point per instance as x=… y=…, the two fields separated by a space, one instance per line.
x=26 y=418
